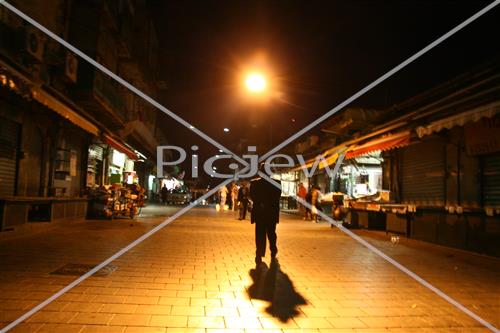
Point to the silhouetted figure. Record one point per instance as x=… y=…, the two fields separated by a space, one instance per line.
x=243 y=200
x=265 y=215
x=164 y=194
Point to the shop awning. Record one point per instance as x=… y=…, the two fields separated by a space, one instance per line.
x=387 y=142
x=120 y=147
x=329 y=156
x=62 y=109
x=485 y=111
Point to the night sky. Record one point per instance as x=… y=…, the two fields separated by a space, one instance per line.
x=320 y=53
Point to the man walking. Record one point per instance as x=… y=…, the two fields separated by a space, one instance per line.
x=243 y=201
x=265 y=215
x=164 y=193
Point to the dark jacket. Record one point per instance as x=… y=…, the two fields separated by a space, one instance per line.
x=266 y=201
x=164 y=193
x=243 y=194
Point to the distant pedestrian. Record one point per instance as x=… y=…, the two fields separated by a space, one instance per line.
x=308 y=199
x=265 y=215
x=243 y=194
x=315 y=202
x=234 y=196
x=223 y=196
x=164 y=193
x=302 y=193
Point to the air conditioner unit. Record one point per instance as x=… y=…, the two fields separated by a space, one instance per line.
x=71 y=66
x=34 y=43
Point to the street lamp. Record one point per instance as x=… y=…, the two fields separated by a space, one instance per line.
x=255 y=82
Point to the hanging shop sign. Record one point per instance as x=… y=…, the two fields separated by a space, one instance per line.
x=118 y=159
x=483 y=137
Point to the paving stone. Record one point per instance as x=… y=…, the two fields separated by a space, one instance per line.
x=154 y=309
x=27 y=328
x=60 y=328
x=130 y=319
x=103 y=329
x=205 y=322
x=82 y=307
x=187 y=310
x=169 y=321
x=145 y=329
x=221 y=312
x=118 y=308
x=94 y=318
x=313 y=323
x=52 y=317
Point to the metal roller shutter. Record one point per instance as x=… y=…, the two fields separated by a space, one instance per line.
x=491 y=180
x=422 y=174
x=9 y=131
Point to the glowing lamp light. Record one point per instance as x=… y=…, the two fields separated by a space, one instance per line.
x=255 y=82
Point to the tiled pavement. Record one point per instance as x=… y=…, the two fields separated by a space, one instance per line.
x=196 y=276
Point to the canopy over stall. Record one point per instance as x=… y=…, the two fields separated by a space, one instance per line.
x=386 y=142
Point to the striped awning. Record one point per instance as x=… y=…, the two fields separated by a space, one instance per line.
x=476 y=114
x=386 y=142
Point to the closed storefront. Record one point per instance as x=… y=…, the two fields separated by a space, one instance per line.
x=491 y=180
x=9 y=134
x=423 y=173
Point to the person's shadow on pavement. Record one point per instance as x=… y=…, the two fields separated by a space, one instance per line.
x=274 y=286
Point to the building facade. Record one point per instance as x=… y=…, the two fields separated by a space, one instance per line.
x=66 y=127
x=428 y=167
